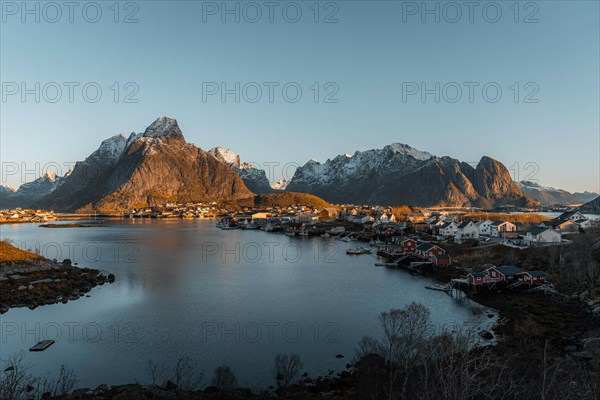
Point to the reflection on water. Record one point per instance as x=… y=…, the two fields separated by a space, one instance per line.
x=188 y=289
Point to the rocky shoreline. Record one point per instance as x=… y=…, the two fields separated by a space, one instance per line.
x=33 y=283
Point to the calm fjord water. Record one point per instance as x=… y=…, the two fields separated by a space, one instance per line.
x=189 y=289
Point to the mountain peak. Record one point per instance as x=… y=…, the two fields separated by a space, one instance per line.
x=408 y=150
x=225 y=155
x=163 y=127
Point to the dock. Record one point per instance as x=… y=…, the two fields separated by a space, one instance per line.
x=43 y=345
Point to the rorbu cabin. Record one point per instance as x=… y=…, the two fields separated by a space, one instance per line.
x=441 y=260
x=533 y=278
x=409 y=245
x=476 y=278
x=506 y=273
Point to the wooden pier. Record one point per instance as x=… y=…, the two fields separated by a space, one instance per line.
x=43 y=345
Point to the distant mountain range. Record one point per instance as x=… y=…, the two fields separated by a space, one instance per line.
x=401 y=174
x=158 y=165
x=550 y=196
x=31 y=192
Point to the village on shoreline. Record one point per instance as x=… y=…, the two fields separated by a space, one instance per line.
x=465 y=252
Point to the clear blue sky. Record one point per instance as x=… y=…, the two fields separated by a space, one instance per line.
x=369 y=53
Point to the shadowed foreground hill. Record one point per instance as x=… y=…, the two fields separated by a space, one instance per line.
x=591 y=207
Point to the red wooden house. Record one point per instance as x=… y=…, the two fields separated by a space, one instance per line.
x=426 y=250
x=409 y=245
x=506 y=273
x=533 y=278
x=476 y=278
x=441 y=260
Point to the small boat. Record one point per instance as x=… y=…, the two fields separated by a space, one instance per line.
x=358 y=251
x=326 y=235
x=346 y=239
x=303 y=233
x=43 y=345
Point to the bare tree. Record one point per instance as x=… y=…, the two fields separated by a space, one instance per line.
x=16 y=382
x=186 y=375
x=224 y=379
x=156 y=372
x=62 y=385
x=287 y=367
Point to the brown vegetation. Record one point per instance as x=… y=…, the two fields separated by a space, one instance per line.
x=9 y=253
x=286 y=199
x=524 y=218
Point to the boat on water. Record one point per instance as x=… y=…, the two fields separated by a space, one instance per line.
x=346 y=239
x=358 y=251
x=326 y=235
x=303 y=233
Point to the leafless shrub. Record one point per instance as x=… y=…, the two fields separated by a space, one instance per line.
x=186 y=375
x=224 y=379
x=62 y=385
x=156 y=372
x=16 y=382
x=287 y=367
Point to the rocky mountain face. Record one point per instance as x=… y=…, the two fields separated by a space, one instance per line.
x=549 y=195
x=400 y=174
x=281 y=184
x=31 y=192
x=146 y=168
x=254 y=178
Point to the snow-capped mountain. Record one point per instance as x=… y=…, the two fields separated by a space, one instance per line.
x=226 y=155
x=254 y=178
x=31 y=192
x=146 y=168
x=401 y=174
x=281 y=184
x=549 y=195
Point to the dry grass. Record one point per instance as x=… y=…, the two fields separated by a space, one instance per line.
x=10 y=253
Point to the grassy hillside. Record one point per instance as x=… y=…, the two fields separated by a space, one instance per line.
x=10 y=253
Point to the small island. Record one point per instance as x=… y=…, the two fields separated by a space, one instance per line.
x=71 y=225
x=30 y=280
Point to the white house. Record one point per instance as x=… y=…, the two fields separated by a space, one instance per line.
x=466 y=230
x=448 y=229
x=484 y=226
x=571 y=215
x=540 y=234
x=498 y=227
x=383 y=218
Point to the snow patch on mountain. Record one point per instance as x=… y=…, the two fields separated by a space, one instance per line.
x=281 y=184
x=226 y=155
x=362 y=163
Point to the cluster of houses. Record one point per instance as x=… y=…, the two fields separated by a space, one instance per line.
x=450 y=227
x=400 y=247
x=506 y=275
x=19 y=215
